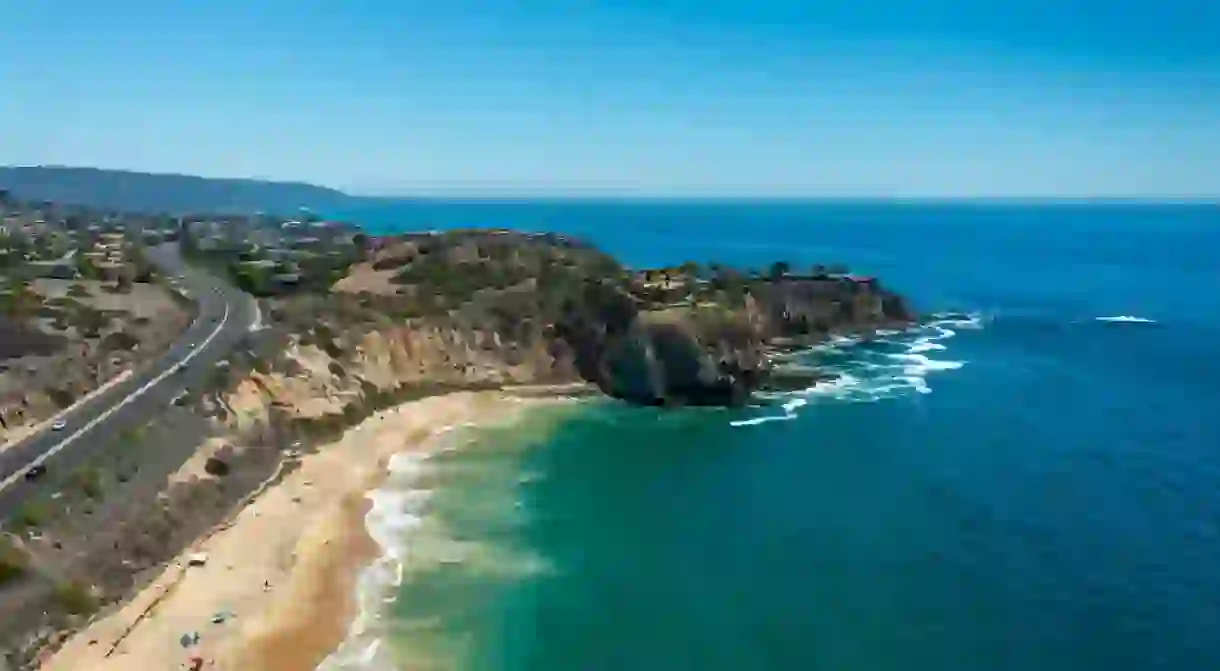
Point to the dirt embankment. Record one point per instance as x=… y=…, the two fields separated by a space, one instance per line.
x=150 y=498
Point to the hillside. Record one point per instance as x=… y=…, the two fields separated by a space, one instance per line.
x=547 y=308
x=145 y=192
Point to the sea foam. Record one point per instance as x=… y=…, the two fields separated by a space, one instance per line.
x=1126 y=319
x=890 y=365
x=397 y=509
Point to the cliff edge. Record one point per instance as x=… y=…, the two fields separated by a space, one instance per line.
x=497 y=306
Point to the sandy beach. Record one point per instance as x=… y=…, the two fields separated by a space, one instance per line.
x=276 y=591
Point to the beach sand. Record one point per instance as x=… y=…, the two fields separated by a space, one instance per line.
x=281 y=573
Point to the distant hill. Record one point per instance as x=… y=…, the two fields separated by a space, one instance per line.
x=145 y=192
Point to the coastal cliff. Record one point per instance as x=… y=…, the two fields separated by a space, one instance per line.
x=713 y=347
x=490 y=307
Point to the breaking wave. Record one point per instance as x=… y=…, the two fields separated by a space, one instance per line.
x=1125 y=319
x=421 y=518
x=396 y=512
x=889 y=365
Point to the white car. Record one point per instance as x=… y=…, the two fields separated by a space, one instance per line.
x=59 y=425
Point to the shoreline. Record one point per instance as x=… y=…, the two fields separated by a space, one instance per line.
x=279 y=589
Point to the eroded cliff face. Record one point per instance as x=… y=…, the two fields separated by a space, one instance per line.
x=710 y=346
x=315 y=376
x=712 y=354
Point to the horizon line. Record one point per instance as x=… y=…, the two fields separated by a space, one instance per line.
x=626 y=194
x=497 y=196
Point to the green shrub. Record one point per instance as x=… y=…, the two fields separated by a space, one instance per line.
x=13 y=563
x=89 y=482
x=30 y=516
x=61 y=397
x=75 y=598
x=354 y=413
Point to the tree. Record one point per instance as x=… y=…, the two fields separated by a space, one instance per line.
x=12 y=562
x=361 y=242
x=691 y=269
x=75 y=598
x=22 y=302
x=85 y=267
x=141 y=269
x=779 y=269
x=119 y=340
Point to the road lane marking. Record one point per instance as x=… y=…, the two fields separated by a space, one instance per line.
x=42 y=458
x=45 y=424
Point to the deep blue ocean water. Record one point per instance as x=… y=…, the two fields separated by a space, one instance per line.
x=1026 y=488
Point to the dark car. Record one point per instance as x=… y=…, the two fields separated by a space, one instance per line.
x=35 y=472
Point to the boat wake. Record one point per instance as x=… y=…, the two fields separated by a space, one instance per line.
x=892 y=364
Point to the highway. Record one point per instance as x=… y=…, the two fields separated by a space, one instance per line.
x=225 y=317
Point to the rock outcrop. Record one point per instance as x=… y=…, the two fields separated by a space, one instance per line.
x=711 y=354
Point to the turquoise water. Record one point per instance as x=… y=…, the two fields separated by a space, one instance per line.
x=1029 y=488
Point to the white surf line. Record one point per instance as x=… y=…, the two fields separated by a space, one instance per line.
x=42 y=458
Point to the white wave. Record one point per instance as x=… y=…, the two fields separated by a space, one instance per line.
x=761 y=420
x=918 y=364
x=396 y=512
x=868 y=371
x=973 y=321
x=927 y=346
x=789 y=407
x=917 y=383
x=1126 y=319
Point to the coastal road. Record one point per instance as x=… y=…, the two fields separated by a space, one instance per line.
x=225 y=318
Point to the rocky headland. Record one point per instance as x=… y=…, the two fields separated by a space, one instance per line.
x=548 y=308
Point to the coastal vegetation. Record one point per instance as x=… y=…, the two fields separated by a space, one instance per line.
x=13 y=563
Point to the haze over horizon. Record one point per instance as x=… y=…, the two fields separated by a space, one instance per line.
x=662 y=98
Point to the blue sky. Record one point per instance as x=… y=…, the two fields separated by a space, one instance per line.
x=642 y=97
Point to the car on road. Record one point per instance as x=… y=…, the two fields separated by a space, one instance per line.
x=59 y=425
x=36 y=471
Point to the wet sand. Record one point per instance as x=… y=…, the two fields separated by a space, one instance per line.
x=282 y=573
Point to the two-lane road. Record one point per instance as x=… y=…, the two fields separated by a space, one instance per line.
x=225 y=317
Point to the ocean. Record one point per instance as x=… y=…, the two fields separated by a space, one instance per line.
x=1031 y=481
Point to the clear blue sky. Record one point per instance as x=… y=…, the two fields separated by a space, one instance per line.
x=742 y=97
